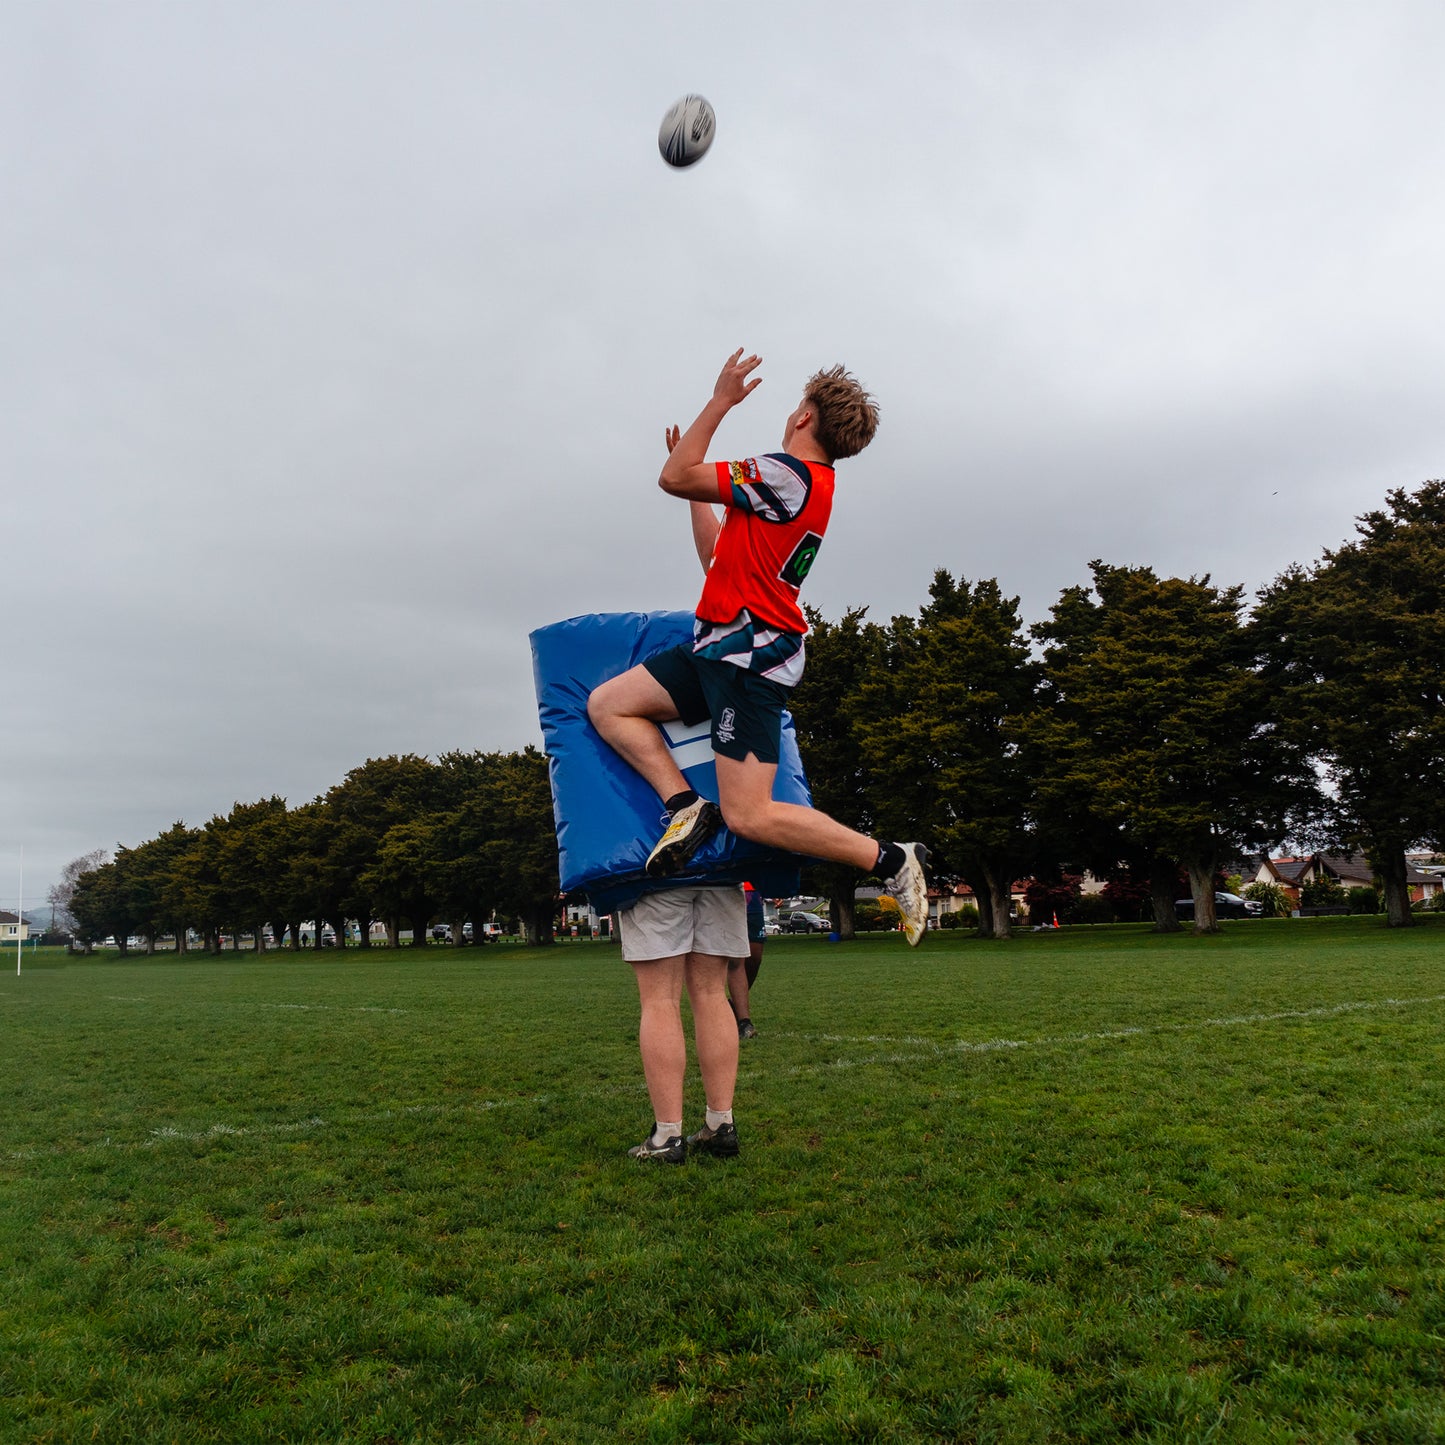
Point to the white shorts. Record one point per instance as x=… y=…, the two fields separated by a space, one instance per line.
x=685 y=920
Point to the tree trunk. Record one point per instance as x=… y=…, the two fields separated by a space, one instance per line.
x=458 y=926
x=1163 y=880
x=1391 y=868
x=537 y=924
x=363 y=932
x=839 y=883
x=393 y=932
x=983 y=901
x=1201 y=886
x=1000 y=904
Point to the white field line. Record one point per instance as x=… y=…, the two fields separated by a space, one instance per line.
x=926 y=1048
x=170 y=1135
x=245 y=1003
x=922 y=1048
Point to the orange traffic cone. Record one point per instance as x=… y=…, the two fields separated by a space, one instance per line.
x=1056 y=920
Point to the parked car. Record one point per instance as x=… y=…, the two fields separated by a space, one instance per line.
x=803 y=923
x=1226 y=905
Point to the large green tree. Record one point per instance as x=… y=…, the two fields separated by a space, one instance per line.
x=943 y=717
x=251 y=859
x=355 y=817
x=100 y=905
x=1160 y=730
x=826 y=718
x=156 y=876
x=1355 y=648
x=518 y=845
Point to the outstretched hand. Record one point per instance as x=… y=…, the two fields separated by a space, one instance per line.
x=732 y=383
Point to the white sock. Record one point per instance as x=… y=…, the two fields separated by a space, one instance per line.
x=717 y=1117
x=664 y=1131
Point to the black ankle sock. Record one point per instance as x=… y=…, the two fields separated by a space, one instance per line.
x=890 y=859
x=678 y=801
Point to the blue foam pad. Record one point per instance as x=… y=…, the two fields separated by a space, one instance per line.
x=607 y=818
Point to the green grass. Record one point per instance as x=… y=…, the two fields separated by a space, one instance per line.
x=1083 y=1186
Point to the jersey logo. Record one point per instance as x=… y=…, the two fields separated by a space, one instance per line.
x=801 y=562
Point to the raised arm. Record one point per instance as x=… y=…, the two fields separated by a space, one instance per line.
x=705 y=528
x=705 y=524
x=686 y=472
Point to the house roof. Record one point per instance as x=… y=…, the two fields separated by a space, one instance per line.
x=1352 y=868
x=1287 y=870
x=8 y=918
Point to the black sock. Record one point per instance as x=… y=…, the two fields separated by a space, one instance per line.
x=890 y=859
x=678 y=801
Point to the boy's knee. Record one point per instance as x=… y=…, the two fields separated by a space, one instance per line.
x=598 y=704
x=745 y=819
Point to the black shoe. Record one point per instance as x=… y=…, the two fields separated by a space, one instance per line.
x=674 y=1151
x=746 y=1029
x=688 y=830
x=722 y=1141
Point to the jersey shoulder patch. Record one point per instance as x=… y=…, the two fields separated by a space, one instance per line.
x=775 y=487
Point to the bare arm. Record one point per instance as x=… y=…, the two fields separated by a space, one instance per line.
x=705 y=528
x=705 y=525
x=686 y=473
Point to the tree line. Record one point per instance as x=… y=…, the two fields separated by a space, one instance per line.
x=398 y=840
x=1150 y=725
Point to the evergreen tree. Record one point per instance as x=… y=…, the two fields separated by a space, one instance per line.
x=826 y=714
x=944 y=713
x=1160 y=728
x=1355 y=647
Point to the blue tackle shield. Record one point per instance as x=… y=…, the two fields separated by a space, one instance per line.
x=607 y=817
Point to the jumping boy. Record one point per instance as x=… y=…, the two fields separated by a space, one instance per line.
x=747 y=647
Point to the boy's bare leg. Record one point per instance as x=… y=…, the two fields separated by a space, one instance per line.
x=714 y=1028
x=626 y=710
x=745 y=794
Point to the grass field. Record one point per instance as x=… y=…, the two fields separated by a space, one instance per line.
x=1089 y=1185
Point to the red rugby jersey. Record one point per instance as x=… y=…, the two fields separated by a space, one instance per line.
x=777 y=512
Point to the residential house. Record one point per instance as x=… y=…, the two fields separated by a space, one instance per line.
x=1349 y=870
x=1286 y=873
x=13 y=929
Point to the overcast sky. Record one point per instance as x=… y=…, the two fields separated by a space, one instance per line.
x=339 y=338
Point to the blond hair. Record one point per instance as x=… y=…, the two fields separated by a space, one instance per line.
x=846 y=416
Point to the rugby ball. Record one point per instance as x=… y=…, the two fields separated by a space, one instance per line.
x=687 y=131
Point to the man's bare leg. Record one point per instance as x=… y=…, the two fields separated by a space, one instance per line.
x=714 y=1028
x=627 y=710
x=738 y=988
x=717 y=1052
x=659 y=1033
